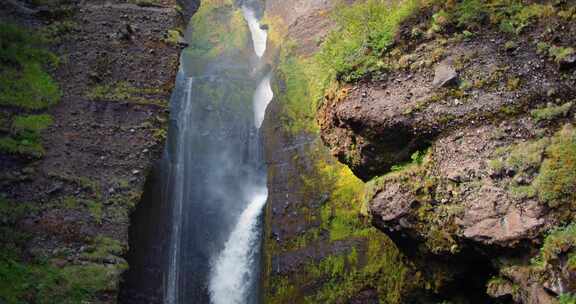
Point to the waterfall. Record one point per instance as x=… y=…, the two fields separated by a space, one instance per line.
x=262 y=98
x=178 y=165
x=259 y=35
x=233 y=270
x=211 y=186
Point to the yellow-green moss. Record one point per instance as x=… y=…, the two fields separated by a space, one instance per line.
x=552 y=112
x=125 y=92
x=218 y=28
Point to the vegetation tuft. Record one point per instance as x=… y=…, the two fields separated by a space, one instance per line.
x=25 y=135
x=24 y=81
x=366 y=31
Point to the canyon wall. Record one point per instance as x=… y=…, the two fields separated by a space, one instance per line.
x=102 y=104
x=456 y=119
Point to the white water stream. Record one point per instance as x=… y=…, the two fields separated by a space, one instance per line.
x=233 y=270
x=174 y=267
x=262 y=98
x=259 y=35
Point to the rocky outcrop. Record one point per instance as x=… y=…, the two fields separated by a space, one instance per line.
x=378 y=124
x=461 y=141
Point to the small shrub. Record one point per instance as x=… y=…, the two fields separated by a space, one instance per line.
x=542 y=48
x=440 y=21
x=515 y=17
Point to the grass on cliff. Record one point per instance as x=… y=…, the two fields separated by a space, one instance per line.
x=25 y=135
x=123 y=91
x=44 y=283
x=556 y=181
x=40 y=280
x=552 y=161
x=365 y=31
x=24 y=81
x=560 y=242
x=303 y=88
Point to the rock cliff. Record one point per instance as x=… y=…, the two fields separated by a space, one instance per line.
x=466 y=136
x=79 y=135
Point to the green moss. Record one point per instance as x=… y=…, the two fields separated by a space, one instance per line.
x=147 y=3
x=514 y=16
x=173 y=37
x=552 y=112
x=526 y=156
x=556 y=182
x=57 y=31
x=32 y=123
x=380 y=267
x=218 y=29
x=11 y=211
x=559 y=242
x=124 y=92
x=341 y=214
x=23 y=81
x=47 y=284
x=21 y=147
x=371 y=261
x=103 y=247
x=567 y=298
x=551 y=159
x=95 y=210
x=25 y=138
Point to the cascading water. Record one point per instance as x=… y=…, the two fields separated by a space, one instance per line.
x=212 y=179
x=233 y=274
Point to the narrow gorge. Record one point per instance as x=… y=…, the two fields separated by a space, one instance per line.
x=273 y=151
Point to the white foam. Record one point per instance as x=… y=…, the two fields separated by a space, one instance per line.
x=262 y=98
x=259 y=36
x=233 y=270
